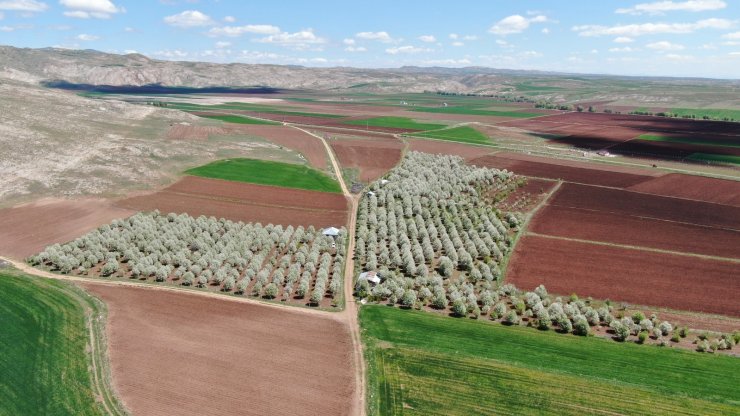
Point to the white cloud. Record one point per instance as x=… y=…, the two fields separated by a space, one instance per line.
x=545 y=31
x=349 y=41
x=2 y=16
x=355 y=49
x=734 y=35
x=676 y=57
x=240 y=30
x=447 y=62
x=427 y=38
x=734 y=53
x=623 y=39
x=665 y=46
x=222 y=44
x=642 y=29
x=379 y=36
x=515 y=24
x=229 y=19
x=85 y=9
x=171 y=54
x=660 y=7
x=530 y=54
x=129 y=29
x=130 y=51
x=87 y=38
x=23 y=5
x=454 y=36
x=458 y=44
x=408 y=49
x=304 y=39
x=624 y=49
x=189 y=18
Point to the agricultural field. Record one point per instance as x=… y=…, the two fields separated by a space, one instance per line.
x=182 y=354
x=229 y=118
x=399 y=123
x=47 y=365
x=240 y=201
x=473 y=367
x=477 y=111
x=372 y=157
x=462 y=134
x=265 y=172
x=293 y=265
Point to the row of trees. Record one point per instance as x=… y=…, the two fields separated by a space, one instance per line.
x=269 y=261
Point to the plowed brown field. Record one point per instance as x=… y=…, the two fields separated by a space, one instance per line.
x=570 y=171
x=641 y=277
x=179 y=354
x=372 y=157
x=693 y=187
x=27 y=229
x=448 y=148
x=245 y=202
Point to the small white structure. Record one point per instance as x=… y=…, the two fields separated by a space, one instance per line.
x=444 y=104
x=331 y=232
x=372 y=276
x=370 y=193
x=383 y=182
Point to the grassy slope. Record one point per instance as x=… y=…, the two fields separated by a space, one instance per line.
x=463 y=134
x=477 y=112
x=268 y=173
x=43 y=364
x=236 y=119
x=686 y=140
x=395 y=122
x=471 y=367
x=711 y=157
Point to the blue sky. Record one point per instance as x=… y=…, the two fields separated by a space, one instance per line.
x=667 y=38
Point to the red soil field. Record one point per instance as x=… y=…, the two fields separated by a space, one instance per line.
x=525 y=198
x=586 y=224
x=182 y=354
x=647 y=148
x=447 y=148
x=700 y=188
x=644 y=205
x=606 y=272
x=577 y=172
x=245 y=202
x=373 y=157
x=27 y=229
x=310 y=147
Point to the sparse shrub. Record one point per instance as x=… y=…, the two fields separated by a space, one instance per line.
x=511 y=318
x=229 y=284
x=642 y=336
x=459 y=308
x=580 y=326
x=564 y=323
x=665 y=327
x=110 y=267
x=621 y=331
x=271 y=291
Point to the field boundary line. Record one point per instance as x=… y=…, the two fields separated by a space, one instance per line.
x=246 y=202
x=636 y=248
x=25 y=268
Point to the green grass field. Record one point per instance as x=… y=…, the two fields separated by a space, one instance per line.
x=228 y=118
x=265 y=172
x=686 y=140
x=423 y=363
x=463 y=134
x=43 y=340
x=711 y=157
x=476 y=112
x=396 y=123
x=718 y=113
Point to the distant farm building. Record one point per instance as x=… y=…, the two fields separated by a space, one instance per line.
x=372 y=277
x=331 y=232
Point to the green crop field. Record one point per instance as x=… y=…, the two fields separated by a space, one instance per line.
x=463 y=134
x=423 y=363
x=717 y=113
x=687 y=140
x=265 y=172
x=477 y=112
x=44 y=364
x=228 y=118
x=396 y=123
x=711 y=157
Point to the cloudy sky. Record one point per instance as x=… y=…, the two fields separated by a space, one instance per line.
x=668 y=38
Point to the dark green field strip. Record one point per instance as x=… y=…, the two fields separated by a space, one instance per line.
x=463 y=134
x=688 y=140
x=43 y=341
x=228 y=118
x=265 y=172
x=671 y=375
x=257 y=108
x=396 y=123
x=477 y=112
x=711 y=157
x=717 y=113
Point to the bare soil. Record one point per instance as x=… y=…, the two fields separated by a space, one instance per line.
x=181 y=354
x=27 y=229
x=621 y=274
x=305 y=144
x=570 y=171
x=467 y=152
x=245 y=202
x=372 y=157
x=693 y=187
